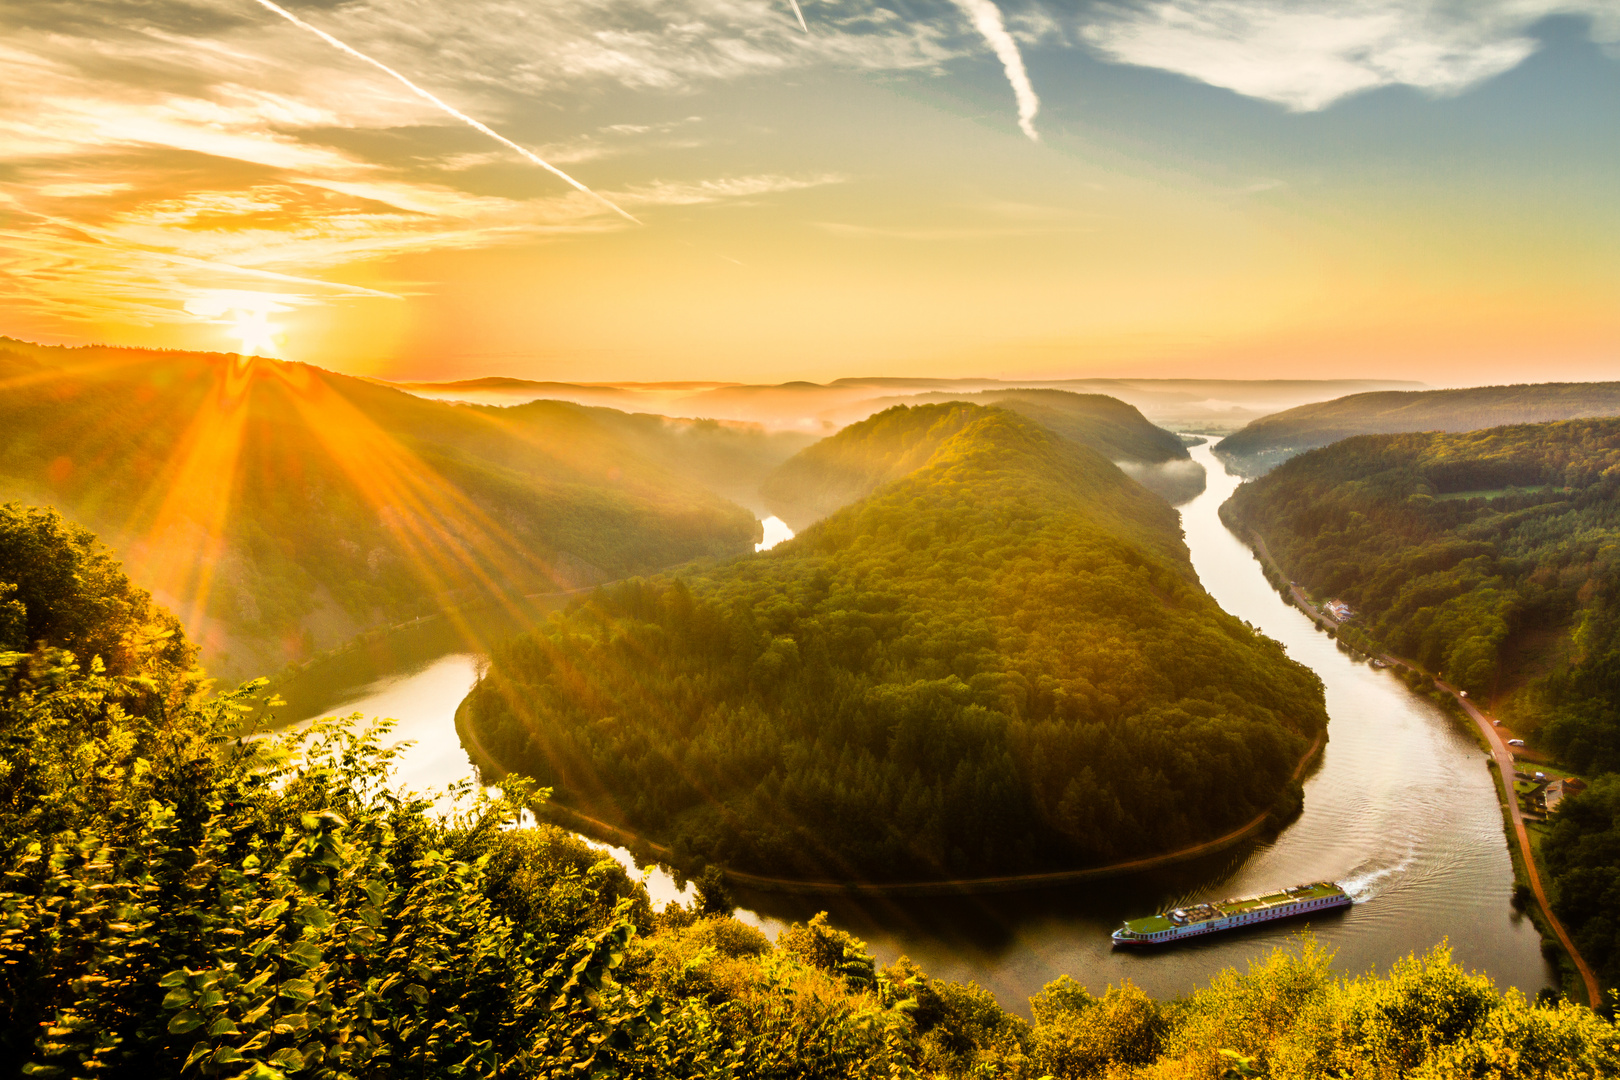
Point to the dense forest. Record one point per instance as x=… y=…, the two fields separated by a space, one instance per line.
x=284 y=508
x=998 y=662
x=179 y=902
x=836 y=472
x=1266 y=442
x=1493 y=556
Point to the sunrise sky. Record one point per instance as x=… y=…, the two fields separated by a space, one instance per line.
x=1423 y=189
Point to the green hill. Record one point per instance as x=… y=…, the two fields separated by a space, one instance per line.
x=998 y=661
x=1276 y=438
x=181 y=902
x=1493 y=556
x=282 y=508
x=837 y=472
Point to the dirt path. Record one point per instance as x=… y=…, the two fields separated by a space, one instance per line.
x=1503 y=756
x=1501 y=753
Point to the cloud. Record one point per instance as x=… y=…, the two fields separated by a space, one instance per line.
x=1307 y=54
x=986 y=18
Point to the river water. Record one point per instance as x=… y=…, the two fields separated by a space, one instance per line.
x=1401 y=809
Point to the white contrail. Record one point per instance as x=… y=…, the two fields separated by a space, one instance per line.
x=800 y=14
x=450 y=109
x=987 y=20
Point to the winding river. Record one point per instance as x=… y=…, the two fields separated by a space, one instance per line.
x=1401 y=809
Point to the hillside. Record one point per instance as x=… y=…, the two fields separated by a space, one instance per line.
x=1272 y=439
x=836 y=472
x=1494 y=557
x=282 y=508
x=199 y=904
x=998 y=661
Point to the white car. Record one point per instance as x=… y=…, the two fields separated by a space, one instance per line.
x=1515 y=742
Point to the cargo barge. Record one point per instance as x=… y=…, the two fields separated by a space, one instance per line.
x=1179 y=924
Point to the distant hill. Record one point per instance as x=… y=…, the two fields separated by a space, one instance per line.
x=281 y=508
x=1278 y=437
x=1000 y=660
x=838 y=471
x=1208 y=406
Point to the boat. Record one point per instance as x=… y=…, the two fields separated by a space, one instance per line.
x=1181 y=923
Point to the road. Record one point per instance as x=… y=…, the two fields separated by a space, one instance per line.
x=1502 y=754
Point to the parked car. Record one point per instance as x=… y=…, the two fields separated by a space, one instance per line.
x=1462 y=693
x=1496 y=723
x=1515 y=742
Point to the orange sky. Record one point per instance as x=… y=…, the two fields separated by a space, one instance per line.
x=1367 y=188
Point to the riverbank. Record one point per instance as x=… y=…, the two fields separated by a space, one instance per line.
x=490 y=769
x=1502 y=760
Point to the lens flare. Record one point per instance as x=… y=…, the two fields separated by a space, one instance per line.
x=247 y=318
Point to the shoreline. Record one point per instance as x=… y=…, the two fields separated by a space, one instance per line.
x=1498 y=755
x=602 y=831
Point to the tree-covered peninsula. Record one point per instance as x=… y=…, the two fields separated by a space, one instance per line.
x=999 y=661
x=176 y=901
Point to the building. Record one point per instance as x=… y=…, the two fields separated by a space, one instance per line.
x=1558 y=789
x=1339 y=610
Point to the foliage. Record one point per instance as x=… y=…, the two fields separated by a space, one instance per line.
x=1273 y=439
x=175 y=901
x=319 y=504
x=1583 y=857
x=837 y=472
x=1494 y=557
x=1000 y=662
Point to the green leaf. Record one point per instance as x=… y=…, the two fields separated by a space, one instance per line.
x=178 y=998
x=261 y=1071
x=305 y=954
x=185 y=1022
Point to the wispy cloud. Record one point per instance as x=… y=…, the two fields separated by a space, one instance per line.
x=1307 y=54
x=443 y=106
x=987 y=21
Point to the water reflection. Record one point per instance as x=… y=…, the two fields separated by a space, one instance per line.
x=776 y=531
x=1401 y=809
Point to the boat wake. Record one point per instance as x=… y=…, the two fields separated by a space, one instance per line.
x=1364 y=882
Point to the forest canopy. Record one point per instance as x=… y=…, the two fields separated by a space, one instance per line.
x=1494 y=557
x=285 y=508
x=1272 y=439
x=178 y=902
x=836 y=472
x=1000 y=661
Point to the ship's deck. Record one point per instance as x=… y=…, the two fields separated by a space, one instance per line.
x=1154 y=924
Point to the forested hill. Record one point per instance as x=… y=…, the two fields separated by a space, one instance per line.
x=1273 y=439
x=1461 y=551
x=835 y=473
x=1494 y=557
x=1000 y=662
x=283 y=508
x=182 y=902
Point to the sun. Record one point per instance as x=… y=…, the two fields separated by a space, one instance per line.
x=245 y=316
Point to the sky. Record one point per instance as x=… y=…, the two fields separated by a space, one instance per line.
x=601 y=190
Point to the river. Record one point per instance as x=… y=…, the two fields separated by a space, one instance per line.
x=1401 y=809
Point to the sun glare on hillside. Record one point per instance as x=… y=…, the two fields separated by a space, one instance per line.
x=246 y=319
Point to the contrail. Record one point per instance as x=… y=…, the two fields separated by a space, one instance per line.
x=800 y=14
x=987 y=20
x=444 y=106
